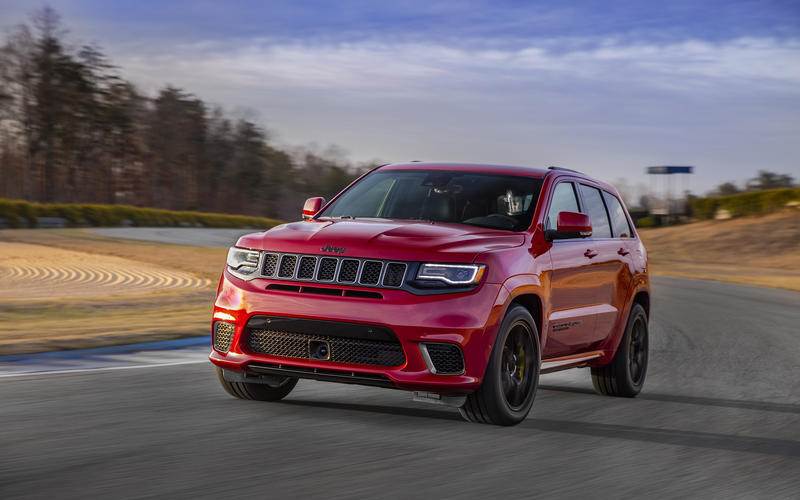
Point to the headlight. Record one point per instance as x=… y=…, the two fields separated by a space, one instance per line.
x=452 y=274
x=242 y=261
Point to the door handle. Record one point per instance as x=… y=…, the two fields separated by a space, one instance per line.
x=590 y=253
x=623 y=252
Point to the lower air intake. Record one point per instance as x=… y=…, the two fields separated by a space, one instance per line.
x=341 y=349
x=445 y=358
x=223 y=335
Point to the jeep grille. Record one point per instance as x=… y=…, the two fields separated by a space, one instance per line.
x=345 y=270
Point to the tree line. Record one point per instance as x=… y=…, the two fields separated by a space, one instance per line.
x=72 y=129
x=764 y=180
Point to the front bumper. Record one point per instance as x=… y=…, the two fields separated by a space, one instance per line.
x=467 y=319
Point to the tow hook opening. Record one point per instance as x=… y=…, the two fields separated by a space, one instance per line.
x=319 y=349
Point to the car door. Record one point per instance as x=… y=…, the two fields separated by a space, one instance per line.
x=627 y=248
x=608 y=265
x=571 y=316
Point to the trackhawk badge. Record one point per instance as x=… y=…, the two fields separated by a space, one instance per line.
x=333 y=249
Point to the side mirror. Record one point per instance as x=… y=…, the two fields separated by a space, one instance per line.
x=312 y=206
x=571 y=225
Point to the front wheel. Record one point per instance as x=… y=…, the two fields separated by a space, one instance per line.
x=624 y=376
x=512 y=375
x=259 y=392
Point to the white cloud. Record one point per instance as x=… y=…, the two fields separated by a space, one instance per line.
x=611 y=107
x=403 y=67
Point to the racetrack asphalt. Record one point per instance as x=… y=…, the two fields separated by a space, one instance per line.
x=719 y=418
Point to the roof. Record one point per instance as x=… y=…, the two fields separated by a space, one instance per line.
x=485 y=168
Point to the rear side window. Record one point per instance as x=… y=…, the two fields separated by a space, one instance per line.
x=619 y=223
x=564 y=200
x=597 y=211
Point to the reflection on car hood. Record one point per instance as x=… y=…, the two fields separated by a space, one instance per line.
x=384 y=239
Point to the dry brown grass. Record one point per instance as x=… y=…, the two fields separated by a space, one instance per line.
x=79 y=301
x=763 y=251
x=201 y=261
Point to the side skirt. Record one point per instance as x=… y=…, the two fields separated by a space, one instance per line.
x=566 y=362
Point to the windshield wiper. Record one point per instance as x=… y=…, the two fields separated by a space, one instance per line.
x=351 y=217
x=337 y=217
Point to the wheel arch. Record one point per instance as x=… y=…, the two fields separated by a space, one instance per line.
x=533 y=303
x=642 y=298
x=528 y=292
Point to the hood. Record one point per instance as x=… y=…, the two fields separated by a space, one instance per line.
x=383 y=239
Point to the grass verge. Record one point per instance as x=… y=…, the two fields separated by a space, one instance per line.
x=35 y=321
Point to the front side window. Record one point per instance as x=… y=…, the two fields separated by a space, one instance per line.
x=485 y=200
x=564 y=200
x=619 y=222
x=597 y=211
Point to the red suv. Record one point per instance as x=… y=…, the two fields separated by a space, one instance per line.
x=459 y=282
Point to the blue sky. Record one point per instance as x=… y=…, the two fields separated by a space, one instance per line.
x=606 y=87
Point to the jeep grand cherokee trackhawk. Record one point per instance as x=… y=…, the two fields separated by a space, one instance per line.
x=461 y=283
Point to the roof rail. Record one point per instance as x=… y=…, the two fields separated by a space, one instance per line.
x=564 y=169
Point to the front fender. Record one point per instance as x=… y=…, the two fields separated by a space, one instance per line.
x=529 y=285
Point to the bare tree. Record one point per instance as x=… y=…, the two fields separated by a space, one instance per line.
x=72 y=129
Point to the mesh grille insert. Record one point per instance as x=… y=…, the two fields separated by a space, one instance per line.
x=223 y=335
x=270 y=264
x=371 y=273
x=394 y=274
x=286 y=269
x=342 y=349
x=327 y=269
x=446 y=358
x=348 y=271
x=306 y=269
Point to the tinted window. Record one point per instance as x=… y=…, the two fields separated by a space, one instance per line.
x=597 y=212
x=619 y=223
x=564 y=200
x=493 y=201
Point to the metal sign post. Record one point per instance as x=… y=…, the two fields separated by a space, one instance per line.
x=667 y=209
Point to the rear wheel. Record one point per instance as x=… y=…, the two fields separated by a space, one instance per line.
x=259 y=392
x=512 y=375
x=625 y=375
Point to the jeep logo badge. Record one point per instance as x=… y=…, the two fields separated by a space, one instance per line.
x=333 y=249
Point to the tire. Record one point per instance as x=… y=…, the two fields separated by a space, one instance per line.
x=512 y=375
x=258 y=392
x=624 y=376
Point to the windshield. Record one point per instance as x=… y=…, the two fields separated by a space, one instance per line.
x=485 y=200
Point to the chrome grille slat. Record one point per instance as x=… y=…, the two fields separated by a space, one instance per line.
x=396 y=279
x=270 y=264
x=369 y=275
x=374 y=273
x=346 y=266
x=287 y=267
x=303 y=271
x=325 y=264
